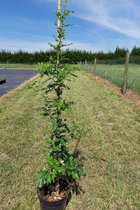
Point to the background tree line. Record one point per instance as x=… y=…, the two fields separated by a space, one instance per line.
x=71 y=56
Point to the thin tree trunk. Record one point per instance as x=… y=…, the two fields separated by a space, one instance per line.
x=58 y=91
x=59 y=33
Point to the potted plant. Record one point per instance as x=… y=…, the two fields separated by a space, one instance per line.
x=62 y=171
x=2 y=79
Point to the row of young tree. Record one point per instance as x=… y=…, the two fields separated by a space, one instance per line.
x=70 y=56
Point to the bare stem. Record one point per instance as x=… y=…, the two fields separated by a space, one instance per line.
x=59 y=33
x=58 y=91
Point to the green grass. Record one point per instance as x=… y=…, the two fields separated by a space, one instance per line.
x=114 y=73
x=19 y=66
x=110 y=148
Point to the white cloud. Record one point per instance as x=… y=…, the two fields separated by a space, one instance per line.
x=15 y=45
x=84 y=46
x=122 y=16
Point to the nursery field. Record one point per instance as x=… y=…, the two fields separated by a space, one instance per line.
x=109 y=147
x=115 y=74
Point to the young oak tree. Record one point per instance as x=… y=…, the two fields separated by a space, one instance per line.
x=62 y=169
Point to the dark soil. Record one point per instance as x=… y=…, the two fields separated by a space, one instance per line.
x=54 y=192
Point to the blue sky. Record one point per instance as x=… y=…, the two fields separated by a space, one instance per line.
x=98 y=25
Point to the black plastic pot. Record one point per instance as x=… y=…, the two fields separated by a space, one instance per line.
x=3 y=80
x=55 y=205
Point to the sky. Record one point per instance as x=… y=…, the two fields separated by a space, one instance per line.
x=97 y=24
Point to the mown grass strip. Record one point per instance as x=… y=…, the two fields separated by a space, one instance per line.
x=109 y=147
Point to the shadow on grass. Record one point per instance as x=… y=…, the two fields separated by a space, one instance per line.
x=76 y=188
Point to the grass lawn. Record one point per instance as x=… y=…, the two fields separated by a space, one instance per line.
x=18 y=66
x=115 y=73
x=110 y=147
